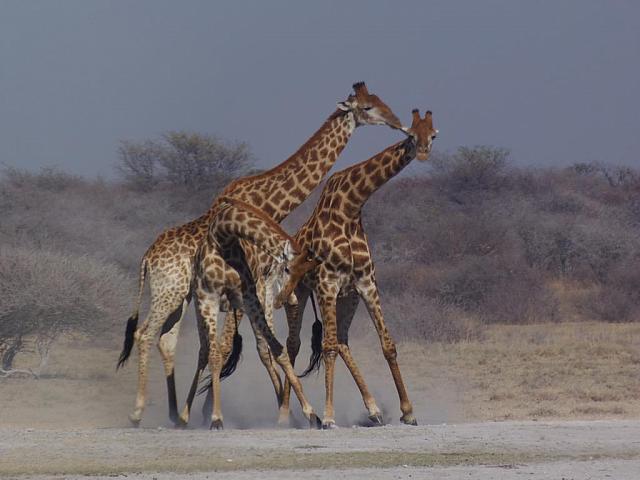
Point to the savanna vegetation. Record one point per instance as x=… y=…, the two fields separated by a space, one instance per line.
x=476 y=241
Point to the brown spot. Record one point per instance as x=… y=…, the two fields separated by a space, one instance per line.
x=269 y=209
x=256 y=198
x=369 y=167
x=277 y=197
x=309 y=184
x=288 y=185
x=298 y=194
x=332 y=230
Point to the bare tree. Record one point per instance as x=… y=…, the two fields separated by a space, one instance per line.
x=183 y=159
x=138 y=163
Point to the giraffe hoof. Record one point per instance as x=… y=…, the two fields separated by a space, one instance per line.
x=180 y=423
x=329 y=425
x=216 y=425
x=376 y=420
x=314 y=422
x=284 y=419
x=135 y=421
x=409 y=419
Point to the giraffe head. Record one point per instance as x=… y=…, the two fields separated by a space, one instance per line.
x=422 y=133
x=368 y=109
x=298 y=264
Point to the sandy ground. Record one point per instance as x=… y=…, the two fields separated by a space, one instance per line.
x=500 y=450
x=579 y=381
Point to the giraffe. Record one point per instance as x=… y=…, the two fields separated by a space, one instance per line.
x=346 y=273
x=238 y=220
x=258 y=287
x=169 y=260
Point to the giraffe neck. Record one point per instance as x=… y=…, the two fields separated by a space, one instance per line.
x=363 y=179
x=280 y=190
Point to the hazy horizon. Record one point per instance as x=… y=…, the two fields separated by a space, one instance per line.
x=555 y=83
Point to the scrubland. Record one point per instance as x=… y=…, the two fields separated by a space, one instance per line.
x=514 y=293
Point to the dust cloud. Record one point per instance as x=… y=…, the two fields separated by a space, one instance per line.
x=248 y=398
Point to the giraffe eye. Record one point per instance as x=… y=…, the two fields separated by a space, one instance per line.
x=366 y=109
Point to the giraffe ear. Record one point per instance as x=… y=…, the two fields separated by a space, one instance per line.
x=345 y=106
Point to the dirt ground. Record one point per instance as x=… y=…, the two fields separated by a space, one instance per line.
x=546 y=401
x=490 y=450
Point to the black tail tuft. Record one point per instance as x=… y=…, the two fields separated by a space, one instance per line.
x=234 y=357
x=316 y=349
x=129 y=333
x=230 y=365
x=206 y=384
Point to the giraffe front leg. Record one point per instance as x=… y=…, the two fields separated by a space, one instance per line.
x=167 y=347
x=369 y=293
x=346 y=309
x=327 y=296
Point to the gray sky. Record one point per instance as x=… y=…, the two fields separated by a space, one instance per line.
x=554 y=81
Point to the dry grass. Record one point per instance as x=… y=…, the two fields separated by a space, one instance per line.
x=560 y=371
x=571 y=370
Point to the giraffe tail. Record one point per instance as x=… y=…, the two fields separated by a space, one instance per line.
x=132 y=323
x=230 y=365
x=316 y=343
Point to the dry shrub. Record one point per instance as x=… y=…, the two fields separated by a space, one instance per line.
x=497 y=289
x=45 y=294
x=411 y=317
x=617 y=299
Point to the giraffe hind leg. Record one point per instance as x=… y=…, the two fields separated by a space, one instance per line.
x=167 y=346
x=160 y=309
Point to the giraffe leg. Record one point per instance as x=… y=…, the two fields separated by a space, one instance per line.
x=327 y=299
x=232 y=290
x=209 y=303
x=264 y=292
x=203 y=355
x=369 y=293
x=258 y=321
x=167 y=347
x=160 y=310
x=346 y=308
x=267 y=360
x=294 y=320
x=229 y=331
